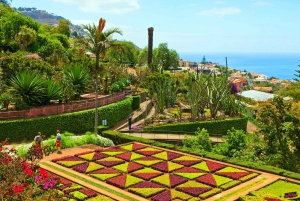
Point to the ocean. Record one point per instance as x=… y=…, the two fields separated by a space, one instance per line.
x=279 y=65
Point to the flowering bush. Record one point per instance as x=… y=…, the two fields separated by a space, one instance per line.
x=21 y=180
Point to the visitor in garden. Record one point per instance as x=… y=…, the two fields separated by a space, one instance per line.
x=38 y=140
x=129 y=121
x=58 y=140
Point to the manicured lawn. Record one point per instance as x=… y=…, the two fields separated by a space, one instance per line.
x=155 y=173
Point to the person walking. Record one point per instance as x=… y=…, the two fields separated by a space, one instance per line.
x=38 y=139
x=58 y=140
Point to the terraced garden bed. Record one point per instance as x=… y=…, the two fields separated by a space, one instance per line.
x=155 y=173
x=279 y=190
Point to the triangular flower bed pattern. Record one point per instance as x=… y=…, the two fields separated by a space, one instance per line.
x=169 y=195
x=105 y=173
x=148 y=161
x=133 y=146
x=167 y=155
x=146 y=189
x=93 y=156
x=130 y=156
x=147 y=173
x=148 y=151
x=233 y=173
x=187 y=160
x=67 y=158
x=209 y=166
x=193 y=188
x=87 y=167
x=189 y=172
x=110 y=161
x=128 y=167
x=124 y=181
x=70 y=163
x=213 y=180
x=169 y=180
x=167 y=166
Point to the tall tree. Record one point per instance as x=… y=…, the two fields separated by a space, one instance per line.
x=98 y=42
x=280 y=128
x=165 y=58
x=297 y=75
x=63 y=27
x=25 y=37
x=123 y=52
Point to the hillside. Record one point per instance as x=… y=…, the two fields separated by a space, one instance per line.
x=44 y=17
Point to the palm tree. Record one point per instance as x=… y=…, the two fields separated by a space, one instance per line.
x=98 y=42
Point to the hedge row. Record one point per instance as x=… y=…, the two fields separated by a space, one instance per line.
x=218 y=127
x=120 y=138
x=136 y=100
x=76 y=122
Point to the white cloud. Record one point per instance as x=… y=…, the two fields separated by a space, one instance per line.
x=262 y=3
x=107 y=6
x=220 y=11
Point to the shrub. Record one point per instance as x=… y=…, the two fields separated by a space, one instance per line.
x=115 y=87
x=24 y=181
x=219 y=127
x=136 y=100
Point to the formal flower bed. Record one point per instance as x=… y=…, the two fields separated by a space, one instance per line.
x=73 y=191
x=157 y=174
x=277 y=191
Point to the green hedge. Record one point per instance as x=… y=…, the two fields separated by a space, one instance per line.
x=120 y=138
x=218 y=127
x=76 y=122
x=136 y=100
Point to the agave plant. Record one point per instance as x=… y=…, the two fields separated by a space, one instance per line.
x=28 y=86
x=78 y=77
x=53 y=91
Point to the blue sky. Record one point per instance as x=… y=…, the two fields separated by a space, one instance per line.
x=206 y=26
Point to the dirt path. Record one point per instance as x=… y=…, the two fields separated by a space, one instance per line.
x=251 y=127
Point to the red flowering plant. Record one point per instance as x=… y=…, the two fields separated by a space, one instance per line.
x=24 y=180
x=38 y=151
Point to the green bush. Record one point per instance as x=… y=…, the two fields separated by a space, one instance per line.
x=115 y=87
x=76 y=122
x=136 y=100
x=218 y=127
x=120 y=138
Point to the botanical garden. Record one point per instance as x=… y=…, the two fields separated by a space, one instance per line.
x=89 y=86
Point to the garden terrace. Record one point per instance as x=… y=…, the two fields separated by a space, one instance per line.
x=58 y=109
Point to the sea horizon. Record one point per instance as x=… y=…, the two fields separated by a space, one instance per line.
x=279 y=65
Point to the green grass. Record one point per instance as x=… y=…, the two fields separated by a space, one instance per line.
x=241 y=189
x=90 y=182
x=280 y=187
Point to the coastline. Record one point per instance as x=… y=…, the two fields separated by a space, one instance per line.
x=279 y=65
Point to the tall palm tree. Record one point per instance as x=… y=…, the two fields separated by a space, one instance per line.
x=98 y=42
